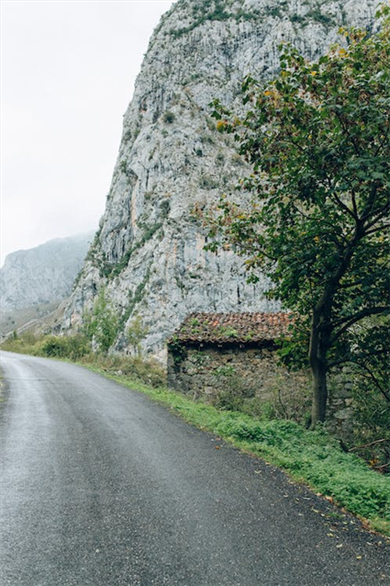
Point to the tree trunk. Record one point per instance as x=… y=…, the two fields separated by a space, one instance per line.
x=320 y=391
x=317 y=356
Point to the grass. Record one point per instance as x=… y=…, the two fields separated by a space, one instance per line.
x=314 y=458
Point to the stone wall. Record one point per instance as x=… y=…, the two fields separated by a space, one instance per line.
x=340 y=412
x=249 y=372
x=250 y=378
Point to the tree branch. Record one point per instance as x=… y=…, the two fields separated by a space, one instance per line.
x=346 y=130
x=382 y=467
x=343 y=206
x=384 y=141
x=380 y=441
x=349 y=321
x=370 y=204
x=348 y=360
x=371 y=376
x=379 y=215
x=374 y=378
x=383 y=227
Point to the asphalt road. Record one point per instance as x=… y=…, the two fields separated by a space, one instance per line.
x=102 y=487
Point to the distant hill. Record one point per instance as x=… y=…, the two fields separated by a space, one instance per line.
x=42 y=275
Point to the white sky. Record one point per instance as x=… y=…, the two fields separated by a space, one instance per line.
x=68 y=72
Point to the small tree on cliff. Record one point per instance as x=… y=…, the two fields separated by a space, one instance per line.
x=318 y=138
x=101 y=324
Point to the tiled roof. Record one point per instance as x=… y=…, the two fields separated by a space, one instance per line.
x=233 y=327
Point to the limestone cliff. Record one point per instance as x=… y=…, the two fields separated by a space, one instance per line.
x=149 y=252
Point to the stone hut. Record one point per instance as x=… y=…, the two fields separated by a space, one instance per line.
x=214 y=353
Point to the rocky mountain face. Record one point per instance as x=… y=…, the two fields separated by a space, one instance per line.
x=42 y=275
x=149 y=251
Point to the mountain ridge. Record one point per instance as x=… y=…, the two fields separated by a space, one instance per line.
x=43 y=274
x=149 y=254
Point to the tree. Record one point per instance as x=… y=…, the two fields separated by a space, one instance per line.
x=101 y=324
x=316 y=215
x=135 y=333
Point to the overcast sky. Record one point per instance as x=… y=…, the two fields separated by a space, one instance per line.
x=68 y=72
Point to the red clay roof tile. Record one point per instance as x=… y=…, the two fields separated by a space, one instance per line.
x=233 y=327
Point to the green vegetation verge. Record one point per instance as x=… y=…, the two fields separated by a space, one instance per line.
x=312 y=457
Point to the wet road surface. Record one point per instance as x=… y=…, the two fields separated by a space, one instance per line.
x=100 y=486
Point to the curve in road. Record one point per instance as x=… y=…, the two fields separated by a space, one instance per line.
x=100 y=486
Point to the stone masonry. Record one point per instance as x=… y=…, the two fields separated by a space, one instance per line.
x=214 y=353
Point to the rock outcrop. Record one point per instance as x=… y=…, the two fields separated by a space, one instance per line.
x=149 y=251
x=42 y=275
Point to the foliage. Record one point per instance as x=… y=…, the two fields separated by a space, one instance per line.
x=137 y=297
x=286 y=401
x=297 y=18
x=318 y=16
x=73 y=346
x=25 y=343
x=368 y=354
x=135 y=333
x=369 y=369
x=123 y=167
x=177 y=348
x=231 y=390
x=318 y=139
x=372 y=426
x=208 y=182
x=169 y=117
x=101 y=324
x=213 y=11
x=226 y=332
x=146 y=371
x=279 y=399
x=91 y=254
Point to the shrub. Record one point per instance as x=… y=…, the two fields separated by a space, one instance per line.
x=101 y=325
x=54 y=346
x=72 y=347
x=135 y=333
x=169 y=117
x=147 y=371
